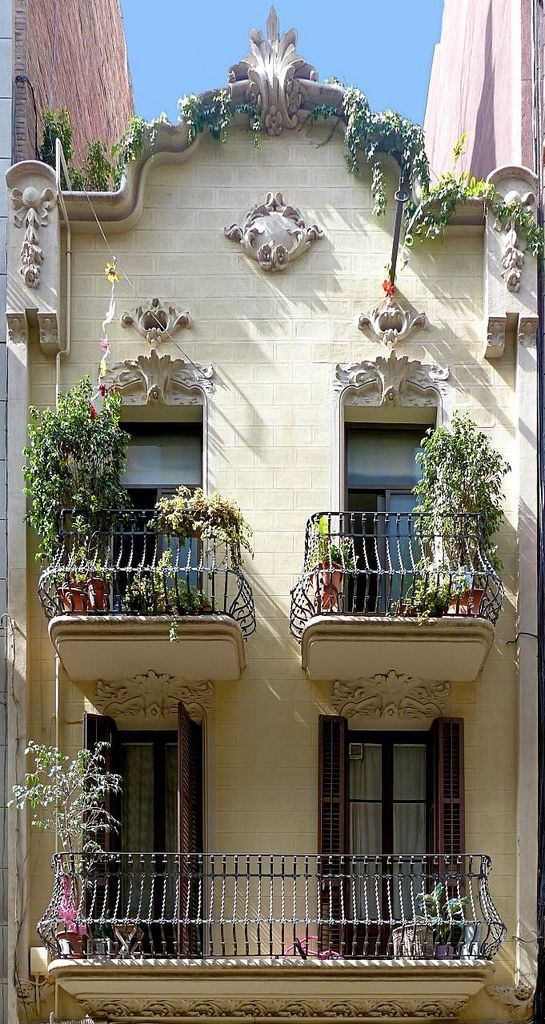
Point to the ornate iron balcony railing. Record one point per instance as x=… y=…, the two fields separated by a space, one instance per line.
x=124 y=566
x=205 y=906
x=384 y=563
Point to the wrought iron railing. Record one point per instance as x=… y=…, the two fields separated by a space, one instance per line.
x=125 y=566
x=204 y=906
x=381 y=563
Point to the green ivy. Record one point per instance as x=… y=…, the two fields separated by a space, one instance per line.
x=56 y=125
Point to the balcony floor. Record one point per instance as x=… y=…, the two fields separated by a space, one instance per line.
x=452 y=648
x=114 y=647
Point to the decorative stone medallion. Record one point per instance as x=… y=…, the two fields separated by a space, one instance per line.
x=274 y=233
x=391 y=323
x=159 y=380
x=390 y=696
x=391 y=381
x=156 y=323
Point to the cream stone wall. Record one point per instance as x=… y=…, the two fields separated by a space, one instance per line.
x=273 y=340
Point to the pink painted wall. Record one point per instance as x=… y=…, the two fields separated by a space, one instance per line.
x=481 y=83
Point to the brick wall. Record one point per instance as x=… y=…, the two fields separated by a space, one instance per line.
x=75 y=56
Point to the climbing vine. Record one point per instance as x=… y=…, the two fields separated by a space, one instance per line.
x=368 y=135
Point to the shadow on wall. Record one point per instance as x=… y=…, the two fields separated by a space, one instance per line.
x=483 y=154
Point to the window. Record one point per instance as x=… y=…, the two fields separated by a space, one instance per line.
x=160 y=458
x=391 y=792
x=381 y=467
x=161 y=806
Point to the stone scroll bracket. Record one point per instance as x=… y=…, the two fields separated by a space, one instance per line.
x=510 y=280
x=34 y=256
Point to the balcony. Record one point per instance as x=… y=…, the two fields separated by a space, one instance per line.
x=171 y=934
x=118 y=598
x=384 y=592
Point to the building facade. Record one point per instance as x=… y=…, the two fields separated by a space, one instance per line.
x=481 y=83
x=294 y=793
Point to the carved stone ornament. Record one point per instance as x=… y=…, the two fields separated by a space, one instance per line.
x=390 y=696
x=156 y=323
x=273 y=72
x=391 y=323
x=32 y=209
x=527 y=330
x=495 y=337
x=517 y=1000
x=274 y=233
x=512 y=261
x=159 y=380
x=150 y=1009
x=392 y=381
x=512 y=258
x=153 y=696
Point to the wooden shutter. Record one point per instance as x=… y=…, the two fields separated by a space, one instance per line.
x=331 y=828
x=190 y=839
x=448 y=797
x=101 y=729
x=332 y=784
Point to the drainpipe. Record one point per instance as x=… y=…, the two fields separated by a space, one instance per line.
x=539 y=1003
x=60 y=169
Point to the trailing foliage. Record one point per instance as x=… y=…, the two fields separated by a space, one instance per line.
x=56 y=125
x=75 y=459
x=461 y=473
x=214 y=517
x=67 y=795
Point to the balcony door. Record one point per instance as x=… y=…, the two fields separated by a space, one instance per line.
x=381 y=470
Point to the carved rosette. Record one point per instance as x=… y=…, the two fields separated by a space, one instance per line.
x=152 y=696
x=151 y=1009
x=391 y=323
x=32 y=209
x=159 y=380
x=274 y=233
x=393 y=380
x=156 y=322
x=390 y=696
x=271 y=75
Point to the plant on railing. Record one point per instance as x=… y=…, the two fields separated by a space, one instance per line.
x=211 y=517
x=445 y=916
x=158 y=591
x=462 y=474
x=75 y=459
x=331 y=556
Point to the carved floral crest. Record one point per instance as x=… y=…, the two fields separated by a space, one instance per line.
x=274 y=233
x=32 y=208
x=390 y=322
x=390 y=696
x=392 y=380
x=273 y=72
x=158 y=380
x=153 y=696
x=156 y=322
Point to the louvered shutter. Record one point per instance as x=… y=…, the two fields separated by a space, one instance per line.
x=331 y=829
x=189 y=831
x=449 y=797
x=101 y=729
x=332 y=785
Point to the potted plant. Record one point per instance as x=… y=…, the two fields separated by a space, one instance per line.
x=462 y=474
x=446 y=917
x=75 y=459
x=210 y=517
x=67 y=795
x=332 y=556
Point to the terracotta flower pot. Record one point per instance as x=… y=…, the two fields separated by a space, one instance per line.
x=98 y=592
x=74 y=598
x=467 y=603
x=70 y=942
x=327 y=584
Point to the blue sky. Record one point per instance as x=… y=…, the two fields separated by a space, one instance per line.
x=385 y=48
